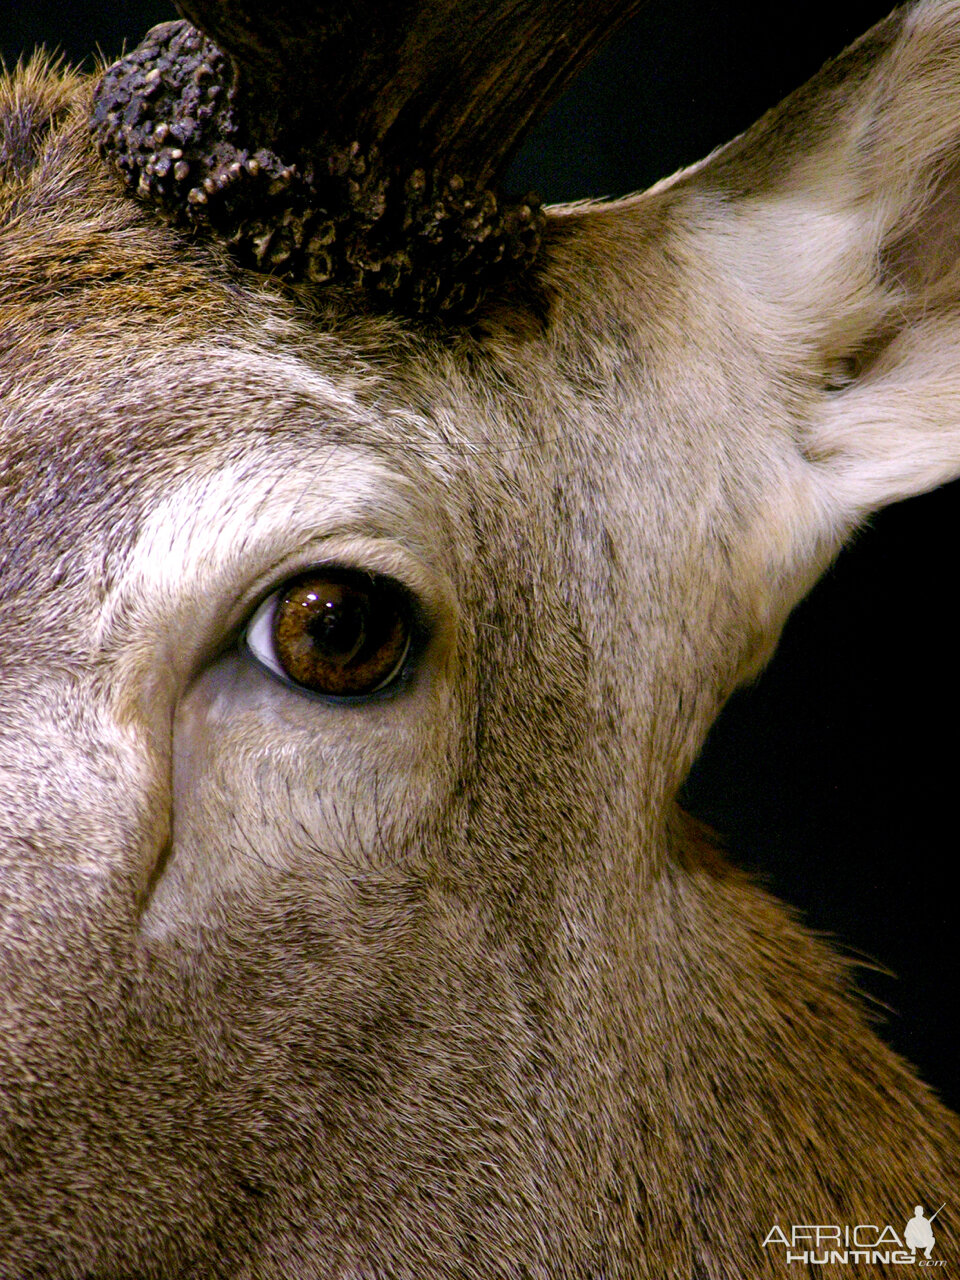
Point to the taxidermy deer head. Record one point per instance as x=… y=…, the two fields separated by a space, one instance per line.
x=376 y=554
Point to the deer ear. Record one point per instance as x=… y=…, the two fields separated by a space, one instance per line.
x=847 y=239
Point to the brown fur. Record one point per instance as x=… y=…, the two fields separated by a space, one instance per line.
x=444 y=985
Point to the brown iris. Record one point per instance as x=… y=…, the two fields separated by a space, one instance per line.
x=341 y=632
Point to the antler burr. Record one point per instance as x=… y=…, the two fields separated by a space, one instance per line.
x=361 y=147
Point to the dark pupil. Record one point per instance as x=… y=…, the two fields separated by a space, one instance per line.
x=339 y=627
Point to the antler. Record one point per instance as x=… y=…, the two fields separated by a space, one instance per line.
x=362 y=146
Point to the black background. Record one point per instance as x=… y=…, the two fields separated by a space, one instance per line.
x=834 y=776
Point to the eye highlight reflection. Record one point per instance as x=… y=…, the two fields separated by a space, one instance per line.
x=342 y=633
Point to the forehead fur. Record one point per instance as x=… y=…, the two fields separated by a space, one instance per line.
x=90 y=276
x=64 y=228
x=77 y=255
x=111 y=322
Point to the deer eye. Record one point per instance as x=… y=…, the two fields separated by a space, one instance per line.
x=337 y=632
